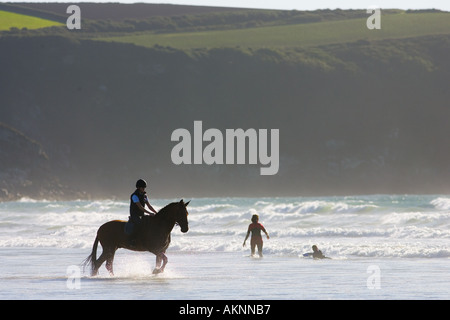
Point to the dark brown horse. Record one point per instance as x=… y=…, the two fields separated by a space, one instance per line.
x=153 y=235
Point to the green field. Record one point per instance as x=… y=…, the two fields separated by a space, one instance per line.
x=402 y=25
x=14 y=20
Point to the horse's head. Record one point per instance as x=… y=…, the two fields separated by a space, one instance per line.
x=181 y=216
x=175 y=213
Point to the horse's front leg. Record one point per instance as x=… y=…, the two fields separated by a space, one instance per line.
x=164 y=260
x=160 y=258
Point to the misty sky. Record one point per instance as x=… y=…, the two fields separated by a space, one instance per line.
x=290 y=4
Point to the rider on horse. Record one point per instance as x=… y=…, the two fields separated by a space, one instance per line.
x=153 y=237
x=138 y=200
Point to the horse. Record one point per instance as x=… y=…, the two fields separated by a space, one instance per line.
x=153 y=235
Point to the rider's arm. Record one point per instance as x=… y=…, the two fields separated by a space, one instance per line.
x=141 y=207
x=151 y=208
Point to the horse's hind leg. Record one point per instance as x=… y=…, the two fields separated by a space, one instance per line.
x=109 y=262
x=108 y=256
x=98 y=263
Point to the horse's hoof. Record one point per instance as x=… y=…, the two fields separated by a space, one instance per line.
x=157 y=270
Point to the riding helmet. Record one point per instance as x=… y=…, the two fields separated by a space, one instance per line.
x=141 y=184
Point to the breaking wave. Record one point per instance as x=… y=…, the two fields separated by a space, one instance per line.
x=342 y=227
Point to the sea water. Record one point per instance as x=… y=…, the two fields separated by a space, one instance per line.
x=382 y=247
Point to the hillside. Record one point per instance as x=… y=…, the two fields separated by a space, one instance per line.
x=10 y=20
x=355 y=116
x=121 y=11
x=395 y=26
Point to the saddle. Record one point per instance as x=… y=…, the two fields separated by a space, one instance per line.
x=131 y=226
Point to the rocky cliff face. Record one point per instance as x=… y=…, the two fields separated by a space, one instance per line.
x=26 y=169
x=24 y=164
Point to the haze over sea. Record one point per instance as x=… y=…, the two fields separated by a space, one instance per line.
x=382 y=247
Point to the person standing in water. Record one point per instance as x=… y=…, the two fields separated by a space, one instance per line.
x=256 y=240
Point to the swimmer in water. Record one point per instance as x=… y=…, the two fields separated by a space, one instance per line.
x=316 y=254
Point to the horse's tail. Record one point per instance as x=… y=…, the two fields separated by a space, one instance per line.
x=92 y=258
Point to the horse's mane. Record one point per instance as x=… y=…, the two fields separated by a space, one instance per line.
x=166 y=208
x=160 y=213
